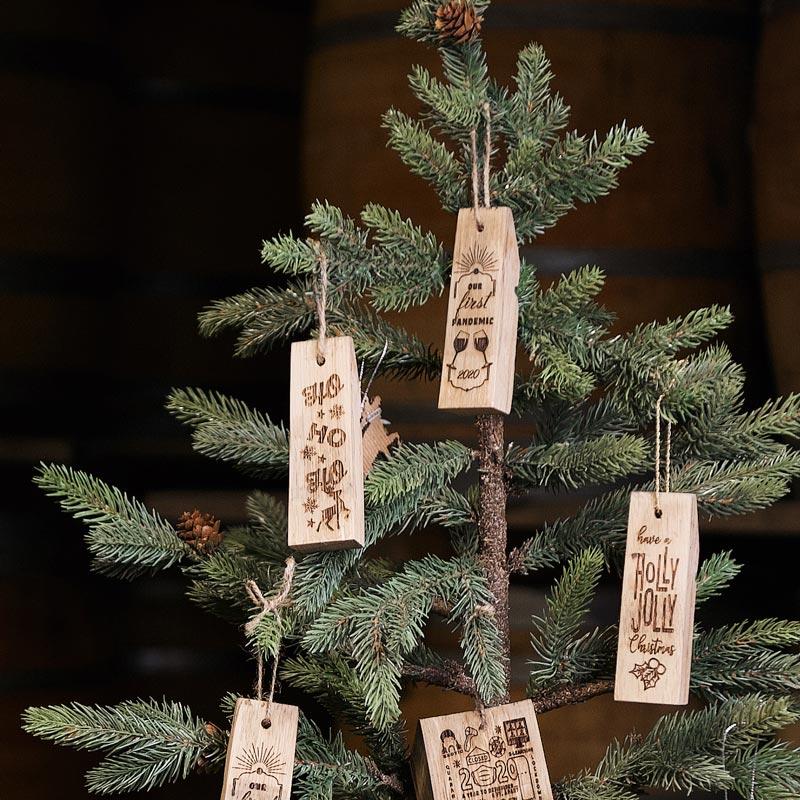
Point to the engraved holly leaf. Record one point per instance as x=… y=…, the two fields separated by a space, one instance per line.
x=649 y=672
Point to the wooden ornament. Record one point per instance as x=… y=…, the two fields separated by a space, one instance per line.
x=480 y=341
x=460 y=757
x=654 y=653
x=326 y=477
x=376 y=440
x=260 y=759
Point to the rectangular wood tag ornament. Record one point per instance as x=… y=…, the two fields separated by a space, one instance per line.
x=480 y=341
x=260 y=759
x=458 y=758
x=654 y=651
x=326 y=473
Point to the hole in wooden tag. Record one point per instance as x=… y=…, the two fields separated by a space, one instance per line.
x=658 y=512
x=321 y=360
x=266 y=723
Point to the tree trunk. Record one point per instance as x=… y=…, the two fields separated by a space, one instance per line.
x=492 y=526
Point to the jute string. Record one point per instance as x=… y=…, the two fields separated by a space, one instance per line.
x=321 y=297
x=269 y=605
x=487 y=156
x=667 y=465
x=473 y=137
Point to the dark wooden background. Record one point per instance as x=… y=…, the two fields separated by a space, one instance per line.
x=147 y=148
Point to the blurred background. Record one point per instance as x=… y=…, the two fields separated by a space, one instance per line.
x=147 y=148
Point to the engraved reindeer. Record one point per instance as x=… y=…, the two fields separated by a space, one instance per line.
x=332 y=477
x=376 y=440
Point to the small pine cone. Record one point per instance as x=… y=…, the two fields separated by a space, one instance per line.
x=457 y=20
x=200 y=531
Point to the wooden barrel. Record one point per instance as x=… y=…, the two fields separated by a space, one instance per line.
x=209 y=161
x=57 y=129
x=777 y=186
x=674 y=236
x=147 y=152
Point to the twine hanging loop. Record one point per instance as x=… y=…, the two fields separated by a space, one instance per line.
x=473 y=137
x=487 y=156
x=269 y=605
x=667 y=465
x=321 y=299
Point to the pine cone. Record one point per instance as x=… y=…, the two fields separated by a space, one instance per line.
x=200 y=531
x=457 y=20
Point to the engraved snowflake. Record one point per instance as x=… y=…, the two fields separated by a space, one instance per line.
x=649 y=672
x=308 y=452
x=310 y=505
x=337 y=411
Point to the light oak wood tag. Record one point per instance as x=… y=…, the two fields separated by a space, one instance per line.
x=654 y=652
x=375 y=438
x=326 y=473
x=480 y=341
x=260 y=760
x=457 y=758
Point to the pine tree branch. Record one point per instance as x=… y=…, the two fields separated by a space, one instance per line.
x=449 y=675
x=571 y=695
x=564 y=655
x=125 y=539
x=227 y=429
x=392 y=781
x=148 y=743
x=452 y=676
x=387 y=779
x=324 y=767
x=335 y=684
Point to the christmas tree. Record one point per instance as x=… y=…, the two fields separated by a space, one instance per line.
x=350 y=627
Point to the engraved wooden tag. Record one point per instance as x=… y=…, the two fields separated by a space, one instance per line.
x=654 y=653
x=480 y=341
x=456 y=758
x=260 y=760
x=326 y=474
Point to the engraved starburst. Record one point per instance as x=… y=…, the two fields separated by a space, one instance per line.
x=477 y=257
x=310 y=505
x=308 y=452
x=260 y=755
x=337 y=412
